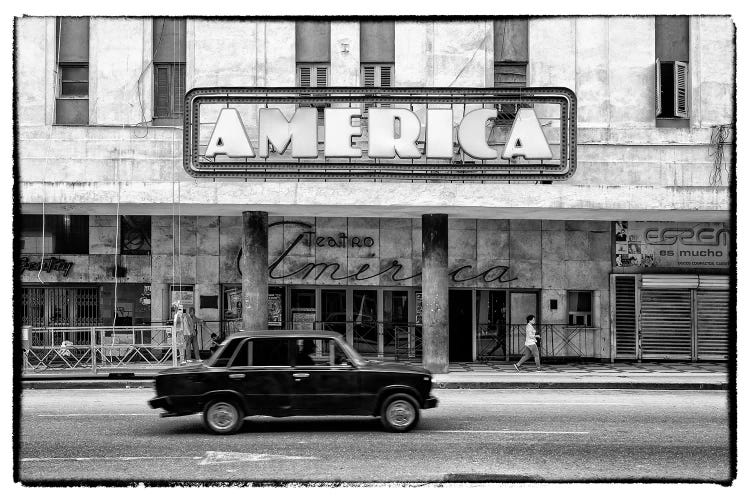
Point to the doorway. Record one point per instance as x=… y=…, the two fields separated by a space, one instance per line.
x=459 y=326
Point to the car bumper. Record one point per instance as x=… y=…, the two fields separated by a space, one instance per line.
x=162 y=402
x=430 y=402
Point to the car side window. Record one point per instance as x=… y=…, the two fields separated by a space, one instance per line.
x=241 y=356
x=224 y=355
x=269 y=352
x=319 y=352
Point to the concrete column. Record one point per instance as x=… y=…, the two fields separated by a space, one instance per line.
x=435 y=292
x=254 y=269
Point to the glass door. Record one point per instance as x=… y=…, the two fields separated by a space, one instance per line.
x=365 y=322
x=333 y=310
x=302 y=308
x=395 y=322
x=492 y=324
x=522 y=304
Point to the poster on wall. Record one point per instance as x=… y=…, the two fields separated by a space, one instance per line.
x=184 y=294
x=677 y=245
x=233 y=305
x=274 y=309
x=303 y=319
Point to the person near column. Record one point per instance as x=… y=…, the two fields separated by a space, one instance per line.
x=192 y=339
x=530 y=347
x=179 y=326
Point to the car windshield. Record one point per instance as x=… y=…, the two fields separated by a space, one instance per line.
x=352 y=353
x=222 y=354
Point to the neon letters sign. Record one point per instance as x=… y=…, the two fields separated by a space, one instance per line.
x=441 y=133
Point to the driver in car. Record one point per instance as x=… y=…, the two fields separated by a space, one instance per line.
x=303 y=356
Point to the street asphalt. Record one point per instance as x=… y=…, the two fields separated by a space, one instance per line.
x=473 y=435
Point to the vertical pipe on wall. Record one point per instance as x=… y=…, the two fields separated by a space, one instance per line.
x=254 y=268
x=435 y=292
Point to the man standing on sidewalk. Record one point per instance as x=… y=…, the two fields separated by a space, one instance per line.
x=189 y=336
x=193 y=322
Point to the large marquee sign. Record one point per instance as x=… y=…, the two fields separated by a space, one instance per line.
x=381 y=133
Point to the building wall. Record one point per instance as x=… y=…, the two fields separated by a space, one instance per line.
x=552 y=256
x=607 y=61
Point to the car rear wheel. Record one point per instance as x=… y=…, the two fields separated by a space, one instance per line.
x=223 y=416
x=399 y=413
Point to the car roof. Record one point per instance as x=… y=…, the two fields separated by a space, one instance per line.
x=287 y=333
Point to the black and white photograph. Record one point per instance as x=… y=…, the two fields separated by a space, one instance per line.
x=323 y=250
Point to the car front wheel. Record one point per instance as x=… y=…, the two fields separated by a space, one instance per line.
x=222 y=416
x=399 y=413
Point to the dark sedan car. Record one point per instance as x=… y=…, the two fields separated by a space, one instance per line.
x=285 y=372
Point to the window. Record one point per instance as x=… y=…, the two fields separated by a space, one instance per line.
x=318 y=352
x=135 y=235
x=579 y=308
x=63 y=234
x=169 y=70
x=671 y=70
x=72 y=57
x=222 y=356
x=313 y=55
x=377 y=55
x=511 y=44
x=269 y=352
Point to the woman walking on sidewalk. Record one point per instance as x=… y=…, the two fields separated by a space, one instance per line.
x=529 y=345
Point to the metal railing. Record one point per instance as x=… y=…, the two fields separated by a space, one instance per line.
x=380 y=339
x=556 y=341
x=100 y=348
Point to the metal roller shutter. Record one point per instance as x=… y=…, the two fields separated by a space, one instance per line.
x=712 y=324
x=625 y=318
x=666 y=324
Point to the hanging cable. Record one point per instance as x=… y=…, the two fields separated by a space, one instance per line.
x=58 y=29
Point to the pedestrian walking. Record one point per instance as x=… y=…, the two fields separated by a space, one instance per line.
x=530 y=348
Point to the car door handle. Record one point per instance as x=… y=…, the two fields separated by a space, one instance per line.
x=236 y=375
x=301 y=375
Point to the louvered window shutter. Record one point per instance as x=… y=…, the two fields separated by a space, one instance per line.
x=386 y=80
x=179 y=88
x=385 y=76
x=368 y=76
x=162 y=91
x=321 y=76
x=658 y=87
x=680 y=89
x=304 y=76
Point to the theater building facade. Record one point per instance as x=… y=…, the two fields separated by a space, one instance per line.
x=617 y=236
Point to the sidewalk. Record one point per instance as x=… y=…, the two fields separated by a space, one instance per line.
x=480 y=375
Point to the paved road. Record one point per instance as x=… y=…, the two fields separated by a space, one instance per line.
x=491 y=435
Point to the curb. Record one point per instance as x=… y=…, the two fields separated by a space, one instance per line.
x=692 y=386
x=149 y=384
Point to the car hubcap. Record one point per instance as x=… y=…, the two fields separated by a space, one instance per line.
x=222 y=416
x=400 y=413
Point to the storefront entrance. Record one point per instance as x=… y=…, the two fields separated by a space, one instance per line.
x=60 y=306
x=460 y=326
x=681 y=317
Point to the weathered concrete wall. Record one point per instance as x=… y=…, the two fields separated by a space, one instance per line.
x=115 y=69
x=345 y=54
x=553 y=256
x=712 y=67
